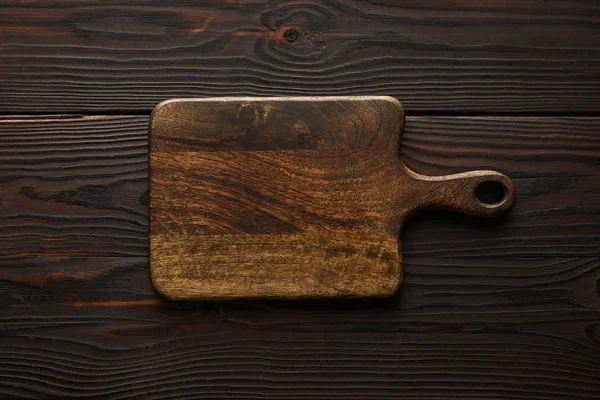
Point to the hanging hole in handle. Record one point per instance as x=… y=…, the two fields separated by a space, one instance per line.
x=491 y=193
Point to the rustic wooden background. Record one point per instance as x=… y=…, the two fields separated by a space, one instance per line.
x=489 y=309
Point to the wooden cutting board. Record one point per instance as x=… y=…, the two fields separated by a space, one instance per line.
x=287 y=197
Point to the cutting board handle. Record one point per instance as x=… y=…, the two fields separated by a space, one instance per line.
x=290 y=197
x=466 y=192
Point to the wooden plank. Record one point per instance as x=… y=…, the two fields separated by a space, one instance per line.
x=74 y=186
x=72 y=280
x=442 y=55
x=78 y=186
x=497 y=328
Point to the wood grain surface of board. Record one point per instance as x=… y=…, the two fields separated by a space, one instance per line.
x=288 y=197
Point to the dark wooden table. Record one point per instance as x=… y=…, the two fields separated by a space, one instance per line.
x=504 y=309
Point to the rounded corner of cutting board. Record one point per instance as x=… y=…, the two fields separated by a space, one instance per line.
x=158 y=113
x=397 y=280
x=395 y=102
x=163 y=290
